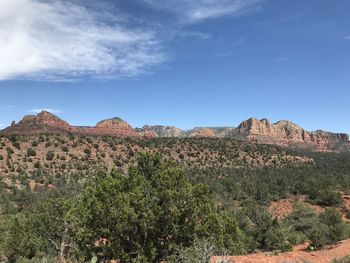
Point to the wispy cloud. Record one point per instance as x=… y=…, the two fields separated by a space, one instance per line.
x=54 y=111
x=347 y=38
x=60 y=40
x=194 y=34
x=194 y=11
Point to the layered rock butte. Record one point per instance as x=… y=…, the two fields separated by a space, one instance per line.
x=283 y=133
x=46 y=122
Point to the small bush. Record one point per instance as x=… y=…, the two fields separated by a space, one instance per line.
x=9 y=151
x=64 y=149
x=50 y=156
x=31 y=152
x=17 y=145
x=328 y=230
x=37 y=165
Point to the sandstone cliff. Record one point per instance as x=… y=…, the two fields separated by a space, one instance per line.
x=286 y=133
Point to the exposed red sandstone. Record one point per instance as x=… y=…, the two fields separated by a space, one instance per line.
x=286 y=133
x=283 y=133
x=111 y=127
x=202 y=133
x=46 y=122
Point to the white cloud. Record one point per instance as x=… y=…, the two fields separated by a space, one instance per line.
x=61 y=40
x=193 y=11
x=1 y=125
x=347 y=38
x=54 y=111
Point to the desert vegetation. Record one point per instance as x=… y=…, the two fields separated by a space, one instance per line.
x=160 y=207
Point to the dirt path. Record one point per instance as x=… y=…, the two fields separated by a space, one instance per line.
x=298 y=255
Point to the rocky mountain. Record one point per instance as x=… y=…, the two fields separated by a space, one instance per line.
x=110 y=127
x=286 y=133
x=46 y=122
x=283 y=133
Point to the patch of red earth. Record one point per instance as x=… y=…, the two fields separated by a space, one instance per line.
x=300 y=254
x=284 y=207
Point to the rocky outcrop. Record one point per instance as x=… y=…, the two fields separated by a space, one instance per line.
x=283 y=133
x=202 y=133
x=163 y=131
x=286 y=133
x=46 y=122
x=110 y=127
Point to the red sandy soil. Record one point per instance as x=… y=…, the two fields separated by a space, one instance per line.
x=284 y=207
x=300 y=254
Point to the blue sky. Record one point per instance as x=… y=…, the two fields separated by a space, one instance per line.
x=177 y=62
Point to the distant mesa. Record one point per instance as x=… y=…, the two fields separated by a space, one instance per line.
x=283 y=133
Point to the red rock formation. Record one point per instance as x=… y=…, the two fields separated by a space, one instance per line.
x=286 y=133
x=163 y=131
x=46 y=122
x=202 y=133
x=111 y=127
x=282 y=133
x=42 y=123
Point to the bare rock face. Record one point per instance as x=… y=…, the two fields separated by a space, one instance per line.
x=283 y=133
x=282 y=130
x=163 y=131
x=41 y=123
x=46 y=122
x=286 y=133
x=114 y=123
x=114 y=127
x=202 y=133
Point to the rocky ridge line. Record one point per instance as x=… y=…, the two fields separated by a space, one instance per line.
x=283 y=133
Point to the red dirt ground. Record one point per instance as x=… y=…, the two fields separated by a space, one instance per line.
x=299 y=254
x=284 y=207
